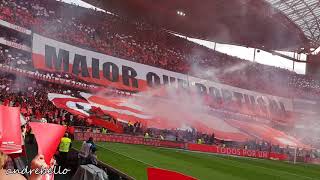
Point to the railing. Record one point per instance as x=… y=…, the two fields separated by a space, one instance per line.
x=43 y=77
x=127 y=139
x=112 y=172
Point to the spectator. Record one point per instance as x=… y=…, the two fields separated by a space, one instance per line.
x=93 y=158
x=86 y=149
x=37 y=162
x=64 y=149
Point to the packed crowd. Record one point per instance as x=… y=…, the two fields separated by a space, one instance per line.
x=15 y=37
x=138 y=42
x=19 y=59
x=32 y=97
x=141 y=43
x=15 y=58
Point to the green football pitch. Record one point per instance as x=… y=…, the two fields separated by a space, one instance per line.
x=134 y=159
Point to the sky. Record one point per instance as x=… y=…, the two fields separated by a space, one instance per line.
x=262 y=57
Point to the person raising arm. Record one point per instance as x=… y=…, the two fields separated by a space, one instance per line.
x=37 y=163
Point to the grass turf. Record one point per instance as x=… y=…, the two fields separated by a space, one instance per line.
x=134 y=159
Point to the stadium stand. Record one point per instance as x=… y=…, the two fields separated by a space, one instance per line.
x=114 y=36
x=31 y=96
x=23 y=86
x=141 y=43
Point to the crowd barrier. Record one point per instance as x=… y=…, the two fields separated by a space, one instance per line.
x=127 y=139
x=43 y=77
x=236 y=152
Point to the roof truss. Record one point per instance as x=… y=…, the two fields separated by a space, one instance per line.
x=305 y=13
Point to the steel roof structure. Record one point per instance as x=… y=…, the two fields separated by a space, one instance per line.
x=275 y=24
x=304 y=13
x=250 y=23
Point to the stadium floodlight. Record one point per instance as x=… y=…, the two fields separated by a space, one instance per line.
x=180 y=13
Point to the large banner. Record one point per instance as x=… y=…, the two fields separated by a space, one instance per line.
x=15 y=27
x=236 y=152
x=15 y=45
x=93 y=67
x=119 y=138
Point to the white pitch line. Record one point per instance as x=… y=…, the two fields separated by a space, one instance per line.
x=220 y=156
x=128 y=156
x=275 y=170
x=196 y=152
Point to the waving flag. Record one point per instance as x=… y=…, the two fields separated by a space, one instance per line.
x=162 y=174
x=48 y=138
x=165 y=115
x=120 y=108
x=10 y=131
x=76 y=106
x=82 y=108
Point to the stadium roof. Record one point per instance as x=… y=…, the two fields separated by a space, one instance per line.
x=253 y=23
x=304 y=13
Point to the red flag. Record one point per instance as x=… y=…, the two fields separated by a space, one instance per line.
x=120 y=108
x=161 y=174
x=71 y=104
x=80 y=107
x=10 y=131
x=48 y=137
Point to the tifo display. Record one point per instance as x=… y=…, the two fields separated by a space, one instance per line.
x=79 y=83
